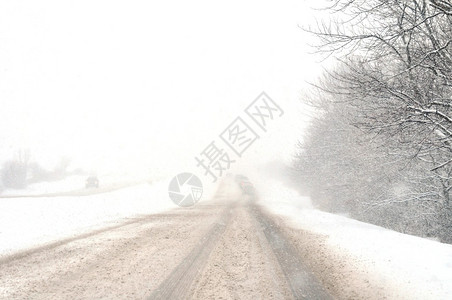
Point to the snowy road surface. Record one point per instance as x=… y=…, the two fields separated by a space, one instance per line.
x=217 y=249
x=30 y=222
x=228 y=248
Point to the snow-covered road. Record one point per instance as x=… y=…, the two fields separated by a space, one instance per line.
x=30 y=222
x=135 y=244
x=218 y=249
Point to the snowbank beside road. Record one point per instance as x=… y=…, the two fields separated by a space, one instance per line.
x=276 y=194
x=406 y=266
x=73 y=184
x=30 y=222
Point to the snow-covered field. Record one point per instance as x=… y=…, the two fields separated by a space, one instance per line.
x=413 y=267
x=71 y=183
x=30 y=222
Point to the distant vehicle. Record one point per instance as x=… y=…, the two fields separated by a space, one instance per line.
x=241 y=178
x=92 y=182
x=245 y=185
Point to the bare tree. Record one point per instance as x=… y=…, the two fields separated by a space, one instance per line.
x=395 y=77
x=14 y=172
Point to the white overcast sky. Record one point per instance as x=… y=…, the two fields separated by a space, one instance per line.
x=147 y=84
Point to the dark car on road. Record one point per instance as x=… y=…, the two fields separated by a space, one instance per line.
x=92 y=182
x=245 y=185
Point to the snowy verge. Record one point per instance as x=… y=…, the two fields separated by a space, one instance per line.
x=32 y=222
x=412 y=267
x=71 y=186
x=68 y=184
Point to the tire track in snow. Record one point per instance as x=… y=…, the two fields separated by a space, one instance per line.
x=48 y=246
x=178 y=283
x=304 y=284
